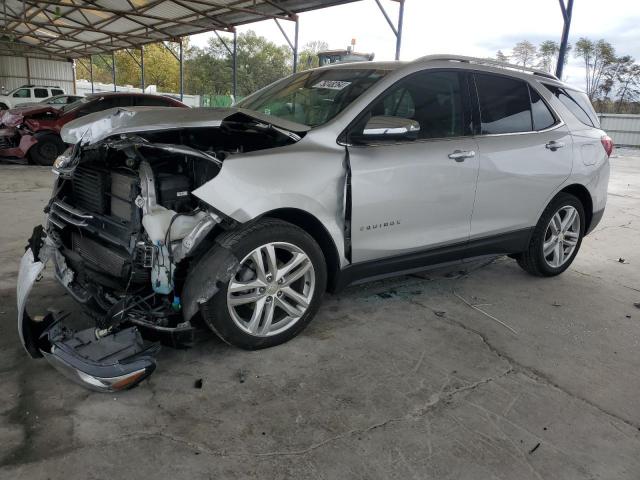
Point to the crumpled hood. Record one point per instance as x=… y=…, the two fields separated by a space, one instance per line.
x=15 y=116
x=97 y=126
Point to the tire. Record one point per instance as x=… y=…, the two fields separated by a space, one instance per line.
x=227 y=320
x=3 y=106
x=45 y=151
x=533 y=260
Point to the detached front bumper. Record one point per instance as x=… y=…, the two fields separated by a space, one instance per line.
x=13 y=144
x=100 y=360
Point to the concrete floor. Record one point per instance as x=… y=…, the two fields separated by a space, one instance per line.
x=397 y=379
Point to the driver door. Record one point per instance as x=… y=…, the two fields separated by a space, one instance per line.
x=416 y=193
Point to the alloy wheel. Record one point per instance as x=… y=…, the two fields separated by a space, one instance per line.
x=561 y=236
x=272 y=289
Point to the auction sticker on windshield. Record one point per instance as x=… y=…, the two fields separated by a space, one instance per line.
x=332 y=84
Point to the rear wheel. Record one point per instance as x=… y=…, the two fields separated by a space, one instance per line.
x=3 y=106
x=276 y=289
x=46 y=150
x=556 y=238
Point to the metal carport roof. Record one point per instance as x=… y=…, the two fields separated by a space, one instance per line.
x=79 y=28
x=73 y=29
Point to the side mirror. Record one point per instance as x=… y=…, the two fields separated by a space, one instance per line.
x=390 y=128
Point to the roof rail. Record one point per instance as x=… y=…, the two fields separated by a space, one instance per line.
x=486 y=61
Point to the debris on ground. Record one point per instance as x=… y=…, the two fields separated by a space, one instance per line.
x=198 y=383
x=556 y=304
x=637 y=304
x=488 y=315
x=622 y=260
x=534 y=448
x=439 y=313
x=388 y=294
x=242 y=375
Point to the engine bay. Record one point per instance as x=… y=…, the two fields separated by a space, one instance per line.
x=126 y=223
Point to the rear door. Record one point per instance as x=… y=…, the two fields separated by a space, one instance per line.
x=410 y=195
x=525 y=154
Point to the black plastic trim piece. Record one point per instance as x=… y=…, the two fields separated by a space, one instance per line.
x=505 y=243
x=595 y=220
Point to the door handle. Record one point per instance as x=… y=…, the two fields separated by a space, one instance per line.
x=553 y=145
x=461 y=155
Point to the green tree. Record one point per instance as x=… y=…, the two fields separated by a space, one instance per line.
x=523 y=53
x=308 y=57
x=548 y=52
x=598 y=58
x=501 y=57
x=629 y=85
x=259 y=63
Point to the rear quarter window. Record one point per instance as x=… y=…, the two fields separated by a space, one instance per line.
x=55 y=91
x=577 y=103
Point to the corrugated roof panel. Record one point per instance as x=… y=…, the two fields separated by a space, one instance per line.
x=108 y=17
x=88 y=37
x=121 y=25
x=115 y=4
x=169 y=10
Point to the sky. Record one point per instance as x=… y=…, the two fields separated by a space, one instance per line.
x=465 y=27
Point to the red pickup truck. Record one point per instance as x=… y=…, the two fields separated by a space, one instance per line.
x=34 y=132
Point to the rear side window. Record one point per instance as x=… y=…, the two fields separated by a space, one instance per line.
x=55 y=91
x=542 y=116
x=504 y=104
x=41 y=92
x=577 y=103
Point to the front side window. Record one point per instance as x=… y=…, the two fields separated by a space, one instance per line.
x=432 y=99
x=41 y=92
x=22 y=93
x=56 y=91
x=504 y=104
x=314 y=97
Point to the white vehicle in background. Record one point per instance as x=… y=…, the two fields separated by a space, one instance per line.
x=28 y=93
x=56 y=101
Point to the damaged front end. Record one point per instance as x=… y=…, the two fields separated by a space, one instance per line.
x=123 y=234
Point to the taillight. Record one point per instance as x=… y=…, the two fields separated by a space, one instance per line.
x=607 y=143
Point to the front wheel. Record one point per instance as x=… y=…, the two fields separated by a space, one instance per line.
x=46 y=150
x=556 y=238
x=275 y=290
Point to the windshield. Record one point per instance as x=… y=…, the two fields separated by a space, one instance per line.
x=314 y=97
x=76 y=104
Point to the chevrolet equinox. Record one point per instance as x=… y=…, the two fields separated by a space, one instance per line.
x=163 y=220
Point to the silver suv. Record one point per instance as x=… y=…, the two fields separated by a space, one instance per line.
x=239 y=219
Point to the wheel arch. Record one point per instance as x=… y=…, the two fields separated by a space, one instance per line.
x=314 y=227
x=43 y=133
x=581 y=193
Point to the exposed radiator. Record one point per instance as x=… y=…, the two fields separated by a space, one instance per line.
x=90 y=189
x=100 y=257
x=123 y=193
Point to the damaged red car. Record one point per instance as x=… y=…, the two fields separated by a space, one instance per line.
x=33 y=133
